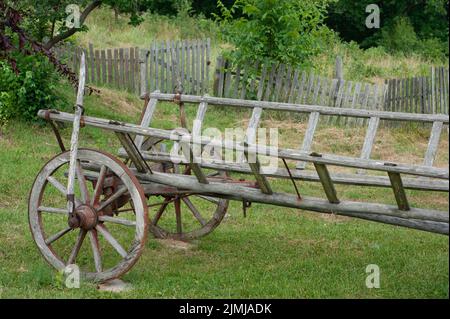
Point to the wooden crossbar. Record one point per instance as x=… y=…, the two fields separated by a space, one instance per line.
x=433 y=143
x=192 y=162
x=133 y=152
x=326 y=181
x=146 y=119
x=255 y=166
x=399 y=191
x=369 y=140
x=309 y=135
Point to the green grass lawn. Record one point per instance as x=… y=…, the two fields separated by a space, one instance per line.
x=274 y=252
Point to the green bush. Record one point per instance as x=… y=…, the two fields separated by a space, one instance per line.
x=283 y=31
x=399 y=36
x=33 y=88
x=433 y=50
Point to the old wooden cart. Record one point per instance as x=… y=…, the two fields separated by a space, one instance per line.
x=92 y=193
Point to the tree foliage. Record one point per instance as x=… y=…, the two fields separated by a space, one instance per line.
x=428 y=19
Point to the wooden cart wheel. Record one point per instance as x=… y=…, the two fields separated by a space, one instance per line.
x=184 y=216
x=114 y=244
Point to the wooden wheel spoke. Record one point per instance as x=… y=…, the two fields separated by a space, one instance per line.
x=178 y=215
x=76 y=248
x=117 y=220
x=160 y=212
x=57 y=236
x=82 y=183
x=62 y=189
x=53 y=210
x=99 y=186
x=209 y=199
x=95 y=250
x=110 y=239
x=112 y=198
x=194 y=210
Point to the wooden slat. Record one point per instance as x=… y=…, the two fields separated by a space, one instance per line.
x=208 y=63
x=293 y=88
x=103 y=59
x=158 y=67
x=132 y=70
x=262 y=83
x=270 y=81
x=193 y=162
x=110 y=66
x=143 y=65
x=433 y=143
x=221 y=66
x=228 y=77
x=98 y=67
x=201 y=111
x=133 y=152
x=369 y=140
x=92 y=62
x=309 y=135
x=146 y=119
x=255 y=166
x=327 y=183
x=399 y=191
x=116 y=68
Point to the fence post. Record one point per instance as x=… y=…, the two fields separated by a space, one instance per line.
x=339 y=75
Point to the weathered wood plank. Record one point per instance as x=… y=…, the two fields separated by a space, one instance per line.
x=262 y=150
x=255 y=166
x=399 y=191
x=327 y=183
x=309 y=135
x=433 y=143
x=133 y=153
x=369 y=140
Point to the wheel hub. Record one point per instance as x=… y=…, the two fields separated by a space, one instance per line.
x=84 y=217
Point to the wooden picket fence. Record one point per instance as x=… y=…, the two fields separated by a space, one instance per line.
x=427 y=94
x=181 y=65
x=165 y=63
x=281 y=83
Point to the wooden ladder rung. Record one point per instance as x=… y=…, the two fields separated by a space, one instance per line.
x=195 y=167
x=369 y=140
x=399 y=191
x=133 y=152
x=433 y=143
x=309 y=135
x=326 y=181
x=146 y=119
x=255 y=167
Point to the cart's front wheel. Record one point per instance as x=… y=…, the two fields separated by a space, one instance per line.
x=102 y=245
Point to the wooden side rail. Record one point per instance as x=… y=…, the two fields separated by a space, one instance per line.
x=303 y=175
x=303 y=108
x=290 y=154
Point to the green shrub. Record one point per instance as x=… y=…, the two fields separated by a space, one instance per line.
x=33 y=88
x=399 y=36
x=283 y=31
x=433 y=50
